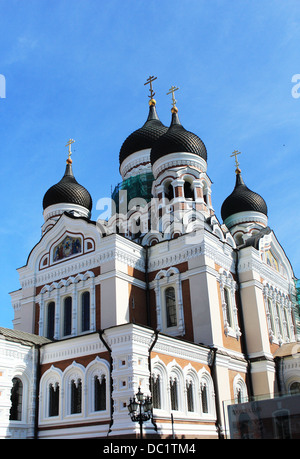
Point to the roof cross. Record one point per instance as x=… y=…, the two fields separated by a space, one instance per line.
x=235 y=153
x=171 y=91
x=149 y=81
x=69 y=143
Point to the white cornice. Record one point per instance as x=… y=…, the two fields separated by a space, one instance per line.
x=246 y=217
x=178 y=159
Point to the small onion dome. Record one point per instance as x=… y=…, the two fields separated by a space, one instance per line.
x=144 y=137
x=177 y=139
x=242 y=200
x=69 y=191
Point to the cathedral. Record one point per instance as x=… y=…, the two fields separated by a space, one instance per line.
x=153 y=321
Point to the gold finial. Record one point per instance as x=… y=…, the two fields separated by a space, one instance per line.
x=69 y=161
x=171 y=91
x=152 y=101
x=235 y=153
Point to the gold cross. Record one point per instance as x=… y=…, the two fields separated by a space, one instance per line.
x=235 y=153
x=69 y=145
x=149 y=81
x=172 y=90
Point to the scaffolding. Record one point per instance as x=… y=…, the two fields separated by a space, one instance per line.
x=139 y=186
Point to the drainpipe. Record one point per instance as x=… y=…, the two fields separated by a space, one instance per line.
x=212 y=366
x=101 y=333
x=242 y=323
x=37 y=391
x=149 y=365
x=147 y=285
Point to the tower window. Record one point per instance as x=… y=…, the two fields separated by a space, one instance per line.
x=85 y=311
x=188 y=190
x=169 y=191
x=50 y=320
x=67 y=316
x=170 y=300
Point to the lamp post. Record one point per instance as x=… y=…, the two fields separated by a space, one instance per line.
x=140 y=409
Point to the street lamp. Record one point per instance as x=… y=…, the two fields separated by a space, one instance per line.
x=140 y=409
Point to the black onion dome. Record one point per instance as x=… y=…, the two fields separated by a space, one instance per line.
x=241 y=200
x=144 y=137
x=68 y=190
x=177 y=139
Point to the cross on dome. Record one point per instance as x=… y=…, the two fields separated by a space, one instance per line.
x=152 y=93
x=234 y=154
x=171 y=91
x=69 y=143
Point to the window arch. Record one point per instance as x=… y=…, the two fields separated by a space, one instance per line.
x=176 y=387
x=230 y=318
x=169 y=302
x=73 y=380
x=294 y=388
x=207 y=396
x=240 y=390
x=279 y=315
x=16 y=398
x=96 y=381
x=159 y=383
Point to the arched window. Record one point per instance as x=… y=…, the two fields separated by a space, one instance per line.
x=271 y=315
x=190 y=396
x=156 y=388
x=85 y=311
x=67 y=316
x=295 y=388
x=76 y=396
x=204 y=398
x=228 y=307
x=169 y=191
x=205 y=193
x=53 y=399
x=174 y=394
x=16 y=400
x=188 y=190
x=100 y=393
x=170 y=301
x=50 y=320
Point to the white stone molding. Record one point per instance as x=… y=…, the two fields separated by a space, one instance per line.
x=246 y=217
x=163 y=280
x=226 y=281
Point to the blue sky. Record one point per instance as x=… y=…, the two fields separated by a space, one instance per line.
x=76 y=68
